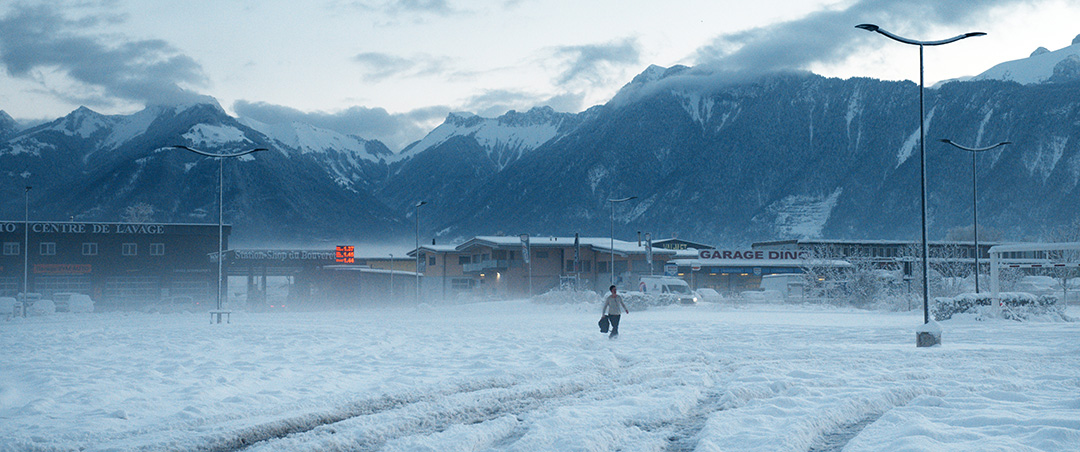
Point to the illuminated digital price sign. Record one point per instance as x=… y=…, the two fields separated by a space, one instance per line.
x=344 y=255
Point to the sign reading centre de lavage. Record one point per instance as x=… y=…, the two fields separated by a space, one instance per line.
x=85 y=228
x=751 y=254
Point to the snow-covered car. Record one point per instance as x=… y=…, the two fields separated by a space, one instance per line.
x=7 y=307
x=42 y=307
x=72 y=302
x=709 y=295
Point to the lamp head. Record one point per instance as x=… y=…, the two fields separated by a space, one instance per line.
x=867 y=27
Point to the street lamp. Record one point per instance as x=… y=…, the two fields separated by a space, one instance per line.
x=613 y=202
x=417 y=296
x=975 y=197
x=221 y=199
x=922 y=148
x=26 y=251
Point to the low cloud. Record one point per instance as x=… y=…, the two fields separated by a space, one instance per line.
x=395 y=130
x=493 y=103
x=381 y=66
x=404 y=7
x=830 y=36
x=37 y=39
x=594 y=64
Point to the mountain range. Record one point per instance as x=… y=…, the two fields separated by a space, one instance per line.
x=710 y=156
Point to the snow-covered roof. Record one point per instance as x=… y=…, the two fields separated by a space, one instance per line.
x=597 y=243
x=602 y=244
x=1035 y=247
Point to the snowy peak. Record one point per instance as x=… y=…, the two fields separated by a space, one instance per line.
x=1042 y=66
x=83 y=123
x=504 y=139
x=8 y=126
x=309 y=139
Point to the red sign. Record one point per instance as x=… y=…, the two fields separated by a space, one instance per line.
x=61 y=269
x=344 y=255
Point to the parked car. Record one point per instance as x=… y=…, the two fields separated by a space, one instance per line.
x=7 y=307
x=709 y=295
x=664 y=285
x=72 y=302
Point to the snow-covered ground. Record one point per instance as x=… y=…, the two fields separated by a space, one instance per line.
x=525 y=377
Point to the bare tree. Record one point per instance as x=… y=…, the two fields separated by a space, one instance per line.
x=1064 y=275
x=139 y=212
x=949 y=266
x=823 y=278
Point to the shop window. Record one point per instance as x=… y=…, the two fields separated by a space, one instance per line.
x=464 y=260
x=11 y=248
x=48 y=248
x=130 y=249
x=157 y=249
x=89 y=249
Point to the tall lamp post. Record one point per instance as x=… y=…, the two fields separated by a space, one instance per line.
x=417 y=294
x=975 y=197
x=26 y=251
x=613 y=202
x=922 y=155
x=221 y=200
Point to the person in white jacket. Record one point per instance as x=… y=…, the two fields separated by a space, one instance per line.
x=612 y=305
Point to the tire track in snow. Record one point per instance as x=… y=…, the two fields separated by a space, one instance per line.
x=835 y=440
x=247 y=437
x=371 y=431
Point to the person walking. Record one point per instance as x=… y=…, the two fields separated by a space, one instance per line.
x=612 y=305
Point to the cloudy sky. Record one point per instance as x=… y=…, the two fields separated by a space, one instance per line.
x=392 y=69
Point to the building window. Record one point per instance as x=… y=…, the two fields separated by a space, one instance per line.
x=157 y=249
x=602 y=266
x=11 y=248
x=89 y=249
x=48 y=248
x=130 y=249
x=431 y=260
x=462 y=283
x=463 y=260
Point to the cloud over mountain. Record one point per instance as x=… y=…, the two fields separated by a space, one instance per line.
x=37 y=40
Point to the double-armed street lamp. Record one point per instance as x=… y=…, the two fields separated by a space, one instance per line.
x=613 y=202
x=975 y=197
x=922 y=146
x=221 y=197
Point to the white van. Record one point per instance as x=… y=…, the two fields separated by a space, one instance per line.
x=652 y=285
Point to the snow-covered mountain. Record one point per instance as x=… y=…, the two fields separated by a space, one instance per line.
x=466 y=151
x=731 y=159
x=8 y=126
x=1042 y=66
x=352 y=161
x=719 y=157
x=90 y=167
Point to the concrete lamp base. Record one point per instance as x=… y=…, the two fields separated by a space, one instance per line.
x=928 y=335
